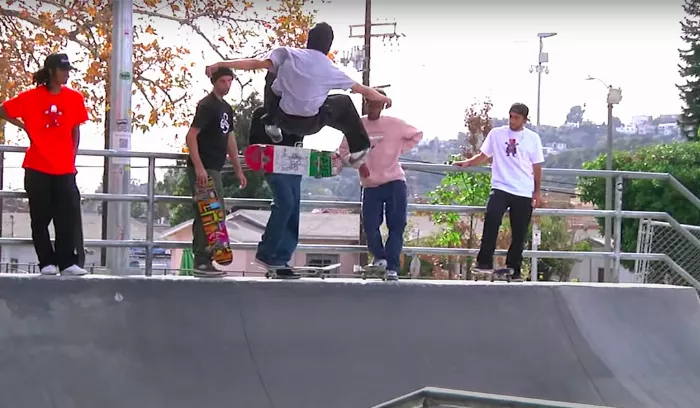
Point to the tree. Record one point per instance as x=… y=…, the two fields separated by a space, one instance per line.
x=680 y=159
x=690 y=70
x=555 y=235
x=575 y=114
x=459 y=188
x=161 y=74
x=176 y=179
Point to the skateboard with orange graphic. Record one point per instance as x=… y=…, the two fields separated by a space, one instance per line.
x=213 y=216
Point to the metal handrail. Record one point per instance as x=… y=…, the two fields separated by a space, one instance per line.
x=151 y=198
x=406 y=165
x=436 y=397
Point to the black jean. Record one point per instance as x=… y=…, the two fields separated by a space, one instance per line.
x=520 y=212
x=54 y=198
x=338 y=112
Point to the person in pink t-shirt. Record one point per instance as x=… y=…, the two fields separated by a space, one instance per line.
x=384 y=184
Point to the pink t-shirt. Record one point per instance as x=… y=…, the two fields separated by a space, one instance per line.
x=391 y=137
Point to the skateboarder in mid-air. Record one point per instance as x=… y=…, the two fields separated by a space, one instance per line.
x=297 y=87
x=516 y=176
x=209 y=139
x=384 y=185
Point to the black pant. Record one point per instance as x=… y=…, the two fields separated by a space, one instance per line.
x=520 y=214
x=54 y=198
x=337 y=112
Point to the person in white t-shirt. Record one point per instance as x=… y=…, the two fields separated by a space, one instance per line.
x=516 y=175
x=297 y=87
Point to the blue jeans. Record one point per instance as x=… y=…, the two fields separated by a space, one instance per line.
x=389 y=198
x=281 y=236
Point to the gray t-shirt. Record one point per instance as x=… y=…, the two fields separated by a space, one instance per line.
x=304 y=79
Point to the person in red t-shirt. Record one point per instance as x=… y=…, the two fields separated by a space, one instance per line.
x=51 y=114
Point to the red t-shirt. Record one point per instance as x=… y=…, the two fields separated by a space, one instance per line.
x=49 y=120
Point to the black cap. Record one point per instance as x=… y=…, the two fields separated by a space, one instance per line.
x=222 y=71
x=520 y=109
x=59 y=61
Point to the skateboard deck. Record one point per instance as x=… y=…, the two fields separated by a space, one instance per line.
x=214 y=223
x=198 y=274
x=377 y=272
x=293 y=160
x=303 y=271
x=494 y=275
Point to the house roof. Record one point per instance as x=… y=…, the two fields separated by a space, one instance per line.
x=18 y=224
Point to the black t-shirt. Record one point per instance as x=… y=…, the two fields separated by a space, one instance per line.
x=214 y=119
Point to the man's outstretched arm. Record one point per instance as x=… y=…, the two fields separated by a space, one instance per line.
x=371 y=94
x=243 y=64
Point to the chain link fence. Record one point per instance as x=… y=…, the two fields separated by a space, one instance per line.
x=656 y=237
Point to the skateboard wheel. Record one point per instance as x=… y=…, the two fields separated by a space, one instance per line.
x=323 y=277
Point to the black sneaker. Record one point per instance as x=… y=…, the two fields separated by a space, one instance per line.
x=516 y=277
x=207 y=270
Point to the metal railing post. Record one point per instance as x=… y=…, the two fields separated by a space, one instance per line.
x=618 y=228
x=150 y=212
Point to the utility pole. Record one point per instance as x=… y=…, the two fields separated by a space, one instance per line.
x=362 y=62
x=614 y=98
x=119 y=137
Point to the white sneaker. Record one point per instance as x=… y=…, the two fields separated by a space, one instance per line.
x=274 y=132
x=49 y=270
x=356 y=159
x=392 y=275
x=378 y=263
x=74 y=270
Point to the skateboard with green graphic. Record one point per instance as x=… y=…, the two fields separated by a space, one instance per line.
x=293 y=160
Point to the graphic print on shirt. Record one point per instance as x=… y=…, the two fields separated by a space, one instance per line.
x=52 y=116
x=512 y=147
x=374 y=139
x=224 y=123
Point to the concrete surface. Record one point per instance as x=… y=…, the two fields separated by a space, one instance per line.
x=183 y=342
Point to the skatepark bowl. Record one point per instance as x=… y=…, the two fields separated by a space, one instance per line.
x=182 y=342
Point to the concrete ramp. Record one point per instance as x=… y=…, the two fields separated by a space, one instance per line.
x=181 y=343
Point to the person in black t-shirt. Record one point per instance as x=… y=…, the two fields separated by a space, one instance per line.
x=209 y=139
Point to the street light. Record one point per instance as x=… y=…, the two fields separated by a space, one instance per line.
x=614 y=98
x=542 y=58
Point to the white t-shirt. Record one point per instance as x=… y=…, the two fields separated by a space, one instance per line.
x=304 y=79
x=513 y=154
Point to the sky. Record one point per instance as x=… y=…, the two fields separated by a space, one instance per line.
x=455 y=53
